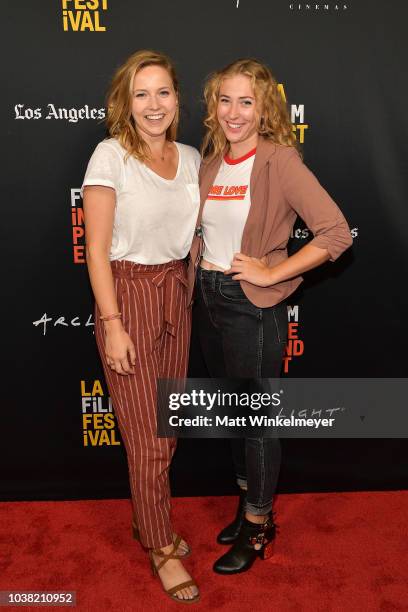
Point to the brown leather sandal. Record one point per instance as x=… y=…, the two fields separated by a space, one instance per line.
x=136 y=536
x=165 y=557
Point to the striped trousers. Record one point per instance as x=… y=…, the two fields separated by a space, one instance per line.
x=152 y=300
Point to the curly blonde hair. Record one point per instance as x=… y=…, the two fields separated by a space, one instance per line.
x=119 y=119
x=272 y=114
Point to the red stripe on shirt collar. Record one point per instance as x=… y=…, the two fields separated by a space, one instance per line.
x=231 y=161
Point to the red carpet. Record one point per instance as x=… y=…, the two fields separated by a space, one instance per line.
x=335 y=552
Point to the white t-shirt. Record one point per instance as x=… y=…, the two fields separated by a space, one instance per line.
x=226 y=210
x=154 y=217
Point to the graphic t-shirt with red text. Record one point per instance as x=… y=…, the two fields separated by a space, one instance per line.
x=226 y=210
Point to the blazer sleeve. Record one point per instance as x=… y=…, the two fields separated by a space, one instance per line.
x=313 y=204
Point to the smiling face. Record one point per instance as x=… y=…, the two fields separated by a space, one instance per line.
x=154 y=101
x=237 y=112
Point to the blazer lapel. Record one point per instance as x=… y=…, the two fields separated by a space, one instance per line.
x=263 y=152
x=264 y=149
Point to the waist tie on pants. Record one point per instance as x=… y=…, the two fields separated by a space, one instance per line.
x=162 y=275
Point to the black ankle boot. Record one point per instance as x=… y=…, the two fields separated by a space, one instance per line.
x=242 y=553
x=229 y=534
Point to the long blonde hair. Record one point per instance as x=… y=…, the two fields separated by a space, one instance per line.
x=273 y=120
x=119 y=119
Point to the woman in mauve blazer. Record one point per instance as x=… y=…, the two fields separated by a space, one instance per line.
x=253 y=184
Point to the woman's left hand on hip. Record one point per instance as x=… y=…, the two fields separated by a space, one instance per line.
x=250 y=269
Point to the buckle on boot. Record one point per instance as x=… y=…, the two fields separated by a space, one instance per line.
x=258 y=539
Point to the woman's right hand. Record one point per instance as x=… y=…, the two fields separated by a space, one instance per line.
x=119 y=349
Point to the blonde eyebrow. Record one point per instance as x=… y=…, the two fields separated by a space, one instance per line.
x=146 y=91
x=240 y=98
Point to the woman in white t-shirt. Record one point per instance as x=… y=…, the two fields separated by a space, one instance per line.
x=141 y=200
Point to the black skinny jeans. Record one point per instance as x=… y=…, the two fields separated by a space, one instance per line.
x=240 y=340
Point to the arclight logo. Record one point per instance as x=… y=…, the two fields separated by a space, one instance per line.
x=324 y=7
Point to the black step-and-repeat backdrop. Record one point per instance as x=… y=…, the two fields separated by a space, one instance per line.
x=342 y=69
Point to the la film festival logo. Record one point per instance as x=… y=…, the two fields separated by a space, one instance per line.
x=83 y=15
x=78 y=227
x=98 y=419
x=297 y=117
x=295 y=347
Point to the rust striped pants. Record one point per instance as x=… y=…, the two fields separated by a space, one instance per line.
x=152 y=300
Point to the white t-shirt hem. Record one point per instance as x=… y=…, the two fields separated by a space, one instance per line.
x=217 y=263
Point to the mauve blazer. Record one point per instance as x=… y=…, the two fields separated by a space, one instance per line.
x=281 y=188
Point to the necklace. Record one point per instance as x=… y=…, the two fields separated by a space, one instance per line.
x=160 y=157
x=163 y=154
